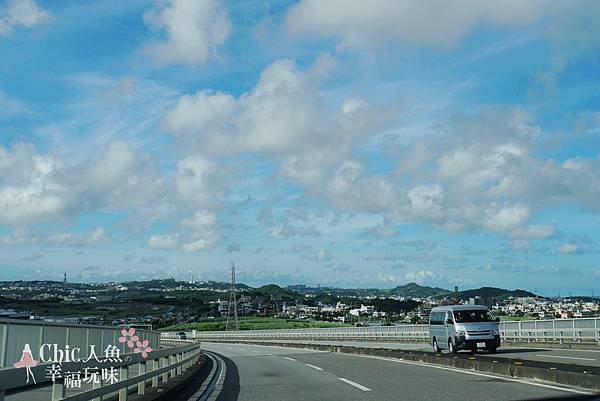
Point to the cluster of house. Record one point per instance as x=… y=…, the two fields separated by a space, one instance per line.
x=543 y=308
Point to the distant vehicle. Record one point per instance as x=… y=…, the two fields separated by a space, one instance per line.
x=463 y=327
x=181 y=335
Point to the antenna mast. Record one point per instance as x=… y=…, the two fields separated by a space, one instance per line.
x=232 y=321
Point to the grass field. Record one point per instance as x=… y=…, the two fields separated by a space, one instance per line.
x=253 y=323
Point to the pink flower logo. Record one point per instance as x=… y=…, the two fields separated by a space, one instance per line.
x=132 y=341
x=129 y=337
x=143 y=348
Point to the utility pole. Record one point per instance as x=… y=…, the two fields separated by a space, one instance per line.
x=234 y=325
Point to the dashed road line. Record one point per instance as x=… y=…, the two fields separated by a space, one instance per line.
x=313 y=366
x=354 y=384
x=288 y=358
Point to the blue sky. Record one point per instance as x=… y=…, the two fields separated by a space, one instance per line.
x=335 y=143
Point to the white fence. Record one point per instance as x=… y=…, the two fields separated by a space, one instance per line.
x=558 y=330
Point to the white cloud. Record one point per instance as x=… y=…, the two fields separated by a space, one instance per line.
x=193 y=30
x=25 y=13
x=568 y=248
x=199 y=181
x=282 y=116
x=319 y=255
x=287 y=231
x=95 y=237
x=437 y=23
x=36 y=188
x=534 y=231
x=164 y=241
x=198 y=232
x=10 y=107
x=18 y=236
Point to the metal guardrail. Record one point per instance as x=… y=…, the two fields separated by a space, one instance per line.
x=160 y=366
x=586 y=330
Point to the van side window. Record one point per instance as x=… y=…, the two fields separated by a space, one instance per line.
x=436 y=318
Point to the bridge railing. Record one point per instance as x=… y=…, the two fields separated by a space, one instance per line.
x=586 y=330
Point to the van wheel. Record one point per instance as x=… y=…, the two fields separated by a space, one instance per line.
x=492 y=350
x=436 y=347
x=451 y=347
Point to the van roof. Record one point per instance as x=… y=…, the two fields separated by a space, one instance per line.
x=458 y=307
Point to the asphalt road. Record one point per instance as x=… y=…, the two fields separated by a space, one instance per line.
x=551 y=355
x=264 y=373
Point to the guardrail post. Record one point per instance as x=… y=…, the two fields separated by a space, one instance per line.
x=142 y=384
x=165 y=376
x=123 y=375
x=172 y=361
x=58 y=390
x=3 y=344
x=178 y=358
x=96 y=385
x=155 y=366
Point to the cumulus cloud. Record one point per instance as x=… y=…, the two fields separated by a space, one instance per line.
x=163 y=241
x=287 y=231
x=25 y=13
x=190 y=31
x=436 y=23
x=197 y=233
x=283 y=115
x=35 y=188
x=198 y=180
x=319 y=255
x=567 y=248
x=19 y=236
x=484 y=175
x=95 y=237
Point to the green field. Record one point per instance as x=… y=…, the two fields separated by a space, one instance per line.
x=253 y=323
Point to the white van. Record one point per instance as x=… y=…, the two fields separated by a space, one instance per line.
x=459 y=327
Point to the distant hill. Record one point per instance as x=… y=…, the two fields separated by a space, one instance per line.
x=419 y=291
x=423 y=291
x=493 y=292
x=275 y=291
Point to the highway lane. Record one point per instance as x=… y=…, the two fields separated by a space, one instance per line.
x=552 y=355
x=283 y=374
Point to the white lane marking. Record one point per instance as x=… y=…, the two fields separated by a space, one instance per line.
x=313 y=366
x=256 y=352
x=466 y=372
x=288 y=358
x=566 y=357
x=350 y=382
